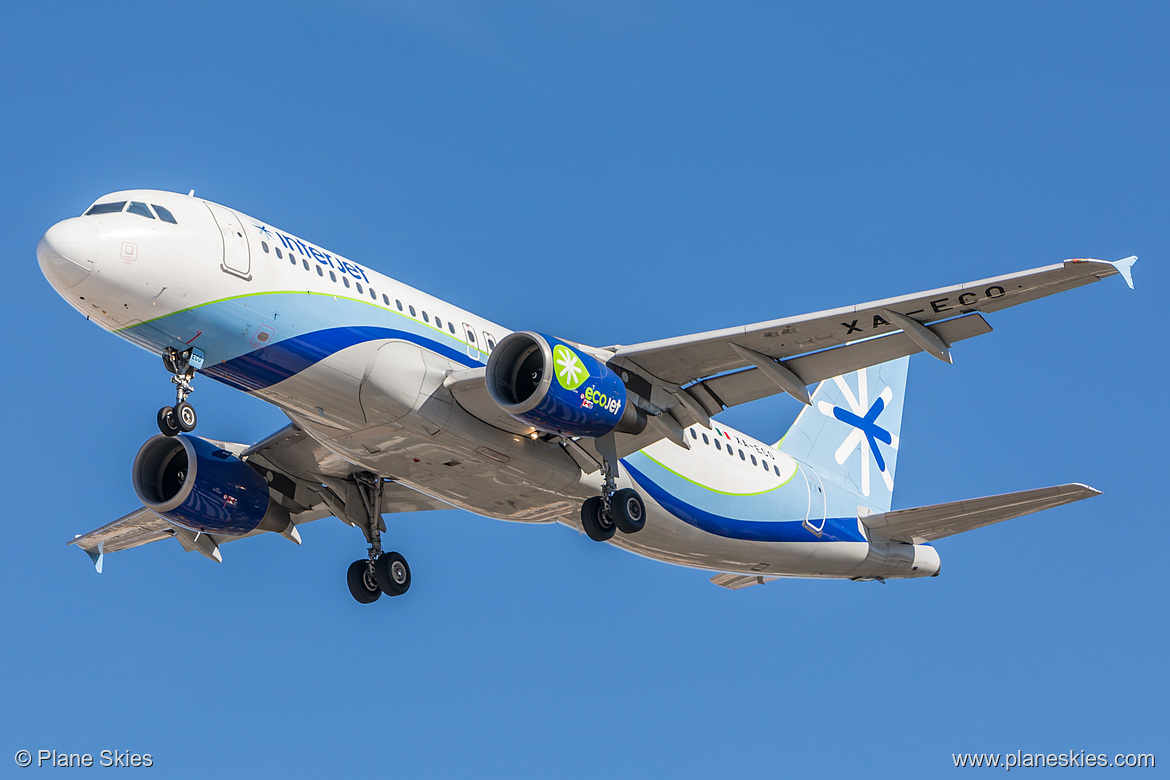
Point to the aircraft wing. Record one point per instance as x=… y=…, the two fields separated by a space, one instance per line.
x=685 y=380
x=303 y=477
x=699 y=375
x=689 y=358
x=927 y=523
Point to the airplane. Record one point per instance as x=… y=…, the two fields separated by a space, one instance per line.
x=399 y=401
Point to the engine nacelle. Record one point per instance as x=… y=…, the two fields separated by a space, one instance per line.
x=197 y=485
x=556 y=388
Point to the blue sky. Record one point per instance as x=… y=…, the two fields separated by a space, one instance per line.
x=607 y=172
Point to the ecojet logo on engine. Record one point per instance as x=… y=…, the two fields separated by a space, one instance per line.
x=571 y=371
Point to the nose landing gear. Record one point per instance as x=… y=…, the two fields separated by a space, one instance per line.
x=180 y=417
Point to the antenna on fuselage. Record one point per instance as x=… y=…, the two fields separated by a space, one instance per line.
x=191 y=194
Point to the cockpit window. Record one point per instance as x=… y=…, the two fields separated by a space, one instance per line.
x=106 y=208
x=140 y=209
x=164 y=214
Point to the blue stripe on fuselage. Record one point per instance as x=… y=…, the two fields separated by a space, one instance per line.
x=225 y=330
x=271 y=364
x=842 y=529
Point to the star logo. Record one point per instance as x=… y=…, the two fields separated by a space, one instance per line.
x=263 y=229
x=862 y=416
x=570 y=371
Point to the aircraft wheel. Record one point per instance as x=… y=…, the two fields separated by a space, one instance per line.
x=167 y=422
x=597 y=527
x=392 y=573
x=363 y=586
x=629 y=513
x=185 y=416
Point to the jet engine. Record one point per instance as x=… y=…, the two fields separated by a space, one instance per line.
x=557 y=388
x=195 y=484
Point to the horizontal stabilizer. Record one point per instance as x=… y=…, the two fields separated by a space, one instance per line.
x=927 y=523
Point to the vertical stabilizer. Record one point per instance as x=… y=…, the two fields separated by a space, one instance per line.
x=850 y=433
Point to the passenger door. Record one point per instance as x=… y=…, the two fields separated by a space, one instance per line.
x=237 y=257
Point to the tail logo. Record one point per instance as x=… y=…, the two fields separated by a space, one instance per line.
x=862 y=417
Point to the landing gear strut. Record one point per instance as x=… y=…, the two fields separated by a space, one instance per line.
x=614 y=510
x=180 y=417
x=380 y=572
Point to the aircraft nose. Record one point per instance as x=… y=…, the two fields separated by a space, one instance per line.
x=67 y=252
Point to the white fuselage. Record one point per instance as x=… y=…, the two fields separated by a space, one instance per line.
x=358 y=360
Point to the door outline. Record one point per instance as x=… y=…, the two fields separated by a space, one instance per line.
x=237 y=255
x=473 y=350
x=815 y=507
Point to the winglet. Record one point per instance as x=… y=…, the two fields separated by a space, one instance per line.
x=1125 y=268
x=97 y=556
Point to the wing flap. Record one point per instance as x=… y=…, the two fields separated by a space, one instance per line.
x=752 y=384
x=928 y=523
x=140 y=527
x=740 y=581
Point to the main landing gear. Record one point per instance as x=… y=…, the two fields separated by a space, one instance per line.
x=614 y=510
x=381 y=572
x=181 y=417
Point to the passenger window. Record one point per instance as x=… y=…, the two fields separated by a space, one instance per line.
x=106 y=208
x=438 y=323
x=140 y=209
x=777 y=470
x=332 y=277
x=345 y=280
x=425 y=317
x=165 y=215
x=398 y=303
x=305 y=263
x=451 y=326
x=279 y=253
x=705 y=439
x=718 y=446
x=694 y=434
x=412 y=314
x=319 y=271
x=471 y=335
x=385 y=300
x=373 y=294
x=359 y=287
x=730 y=451
x=753 y=460
x=264 y=246
x=292 y=259
x=491 y=344
x=741 y=457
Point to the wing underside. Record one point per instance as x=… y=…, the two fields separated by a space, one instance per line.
x=304 y=478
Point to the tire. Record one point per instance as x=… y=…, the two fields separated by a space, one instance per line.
x=167 y=422
x=597 y=528
x=363 y=589
x=185 y=416
x=629 y=512
x=393 y=574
